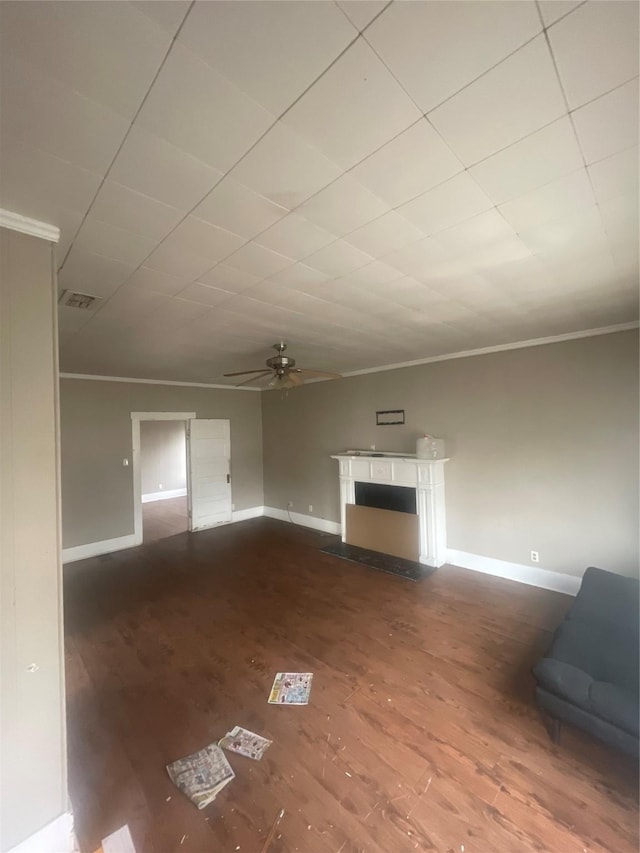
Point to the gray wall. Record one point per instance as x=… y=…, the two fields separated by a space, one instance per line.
x=32 y=729
x=97 y=491
x=543 y=444
x=163 y=456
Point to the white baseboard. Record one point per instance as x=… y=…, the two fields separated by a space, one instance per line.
x=57 y=835
x=305 y=520
x=95 y=549
x=556 y=581
x=245 y=514
x=164 y=495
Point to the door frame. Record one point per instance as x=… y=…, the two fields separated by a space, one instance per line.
x=136 y=473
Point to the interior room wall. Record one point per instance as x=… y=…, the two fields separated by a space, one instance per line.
x=32 y=709
x=97 y=491
x=163 y=456
x=543 y=444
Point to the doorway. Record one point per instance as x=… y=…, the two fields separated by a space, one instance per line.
x=163 y=470
x=208 y=486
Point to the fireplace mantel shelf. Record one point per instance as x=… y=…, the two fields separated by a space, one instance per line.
x=426 y=476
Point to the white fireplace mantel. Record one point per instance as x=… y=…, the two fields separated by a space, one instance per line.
x=426 y=476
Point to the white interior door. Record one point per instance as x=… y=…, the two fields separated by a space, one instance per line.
x=209 y=474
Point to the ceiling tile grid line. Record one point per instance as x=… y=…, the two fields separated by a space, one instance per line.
x=278 y=118
x=569 y=111
x=137 y=113
x=452 y=227
x=316 y=81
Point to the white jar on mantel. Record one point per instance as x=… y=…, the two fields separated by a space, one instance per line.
x=428 y=447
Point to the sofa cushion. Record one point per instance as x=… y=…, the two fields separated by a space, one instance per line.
x=564 y=680
x=605 y=652
x=615 y=705
x=608 y=701
x=606 y=598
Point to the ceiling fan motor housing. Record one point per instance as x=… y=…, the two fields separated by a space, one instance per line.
x=281 y=363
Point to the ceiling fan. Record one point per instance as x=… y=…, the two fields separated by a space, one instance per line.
x=283 y=372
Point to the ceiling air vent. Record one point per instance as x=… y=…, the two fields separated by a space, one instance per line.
x=78 y=300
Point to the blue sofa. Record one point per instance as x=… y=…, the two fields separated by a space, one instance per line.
x=589 y=677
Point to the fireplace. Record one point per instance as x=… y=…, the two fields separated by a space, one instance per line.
x=407 y=493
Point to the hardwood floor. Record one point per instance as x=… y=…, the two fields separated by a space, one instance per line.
x=161 y=519
x=421 y=733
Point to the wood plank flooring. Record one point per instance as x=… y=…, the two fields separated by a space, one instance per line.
x=161 y=519
x=421 y=733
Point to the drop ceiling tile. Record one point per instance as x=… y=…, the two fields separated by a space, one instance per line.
x=34 y=182
x=236 y=208
x=118 y=205
x=177 y=263
x=343 y=206
x=484 y=229
x=609 y=124
x=417 y=258
x=596 y=49
x=295 y=237
x=64 y=123
x=300 y=277
x=193 y=123
x=362 y=12
x=176 y=311
x=197 y=237
x=257 y=260
x=100 y=238
x=616 y=176
x=68 y=221
x=582 y=230
x=206 y=295
x=448 y=204
x=95 y=275
x=149 y=279
x=372 y=274
x=435 y=49
x=228 y=278
x=168 y=13
x=562 y=197
x=620 y=218
x=156 y=168
x=533 y=162
x=354 y=93
x=552 y=10
x=272 y=51
x=285 y=168
x=514 y=99
x=338 y=258
x=108 y=52
x=412 y=163
x=385 y=234
x=496 y=254
x=129 y=304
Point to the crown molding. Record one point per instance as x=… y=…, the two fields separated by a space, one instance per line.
x=534 y=342
x=16 y=222
x=95 y=378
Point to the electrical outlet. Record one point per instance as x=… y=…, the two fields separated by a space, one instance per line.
x=160 y=486
x=535 y=557
x=372 y=446
x=310 y=507
x=289 y=504
x=233 y=506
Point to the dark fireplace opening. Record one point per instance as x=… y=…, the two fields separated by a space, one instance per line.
x=398 y=498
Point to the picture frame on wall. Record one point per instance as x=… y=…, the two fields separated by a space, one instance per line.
x=389 y=417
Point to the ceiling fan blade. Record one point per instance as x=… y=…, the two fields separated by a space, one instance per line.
x=276 y=379
x=319 y=373
x=295 y=379
x=243 y=372
x=253 y=378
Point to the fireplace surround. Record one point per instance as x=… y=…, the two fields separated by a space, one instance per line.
x=425 y=476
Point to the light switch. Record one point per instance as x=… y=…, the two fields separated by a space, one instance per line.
x=125 y=463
